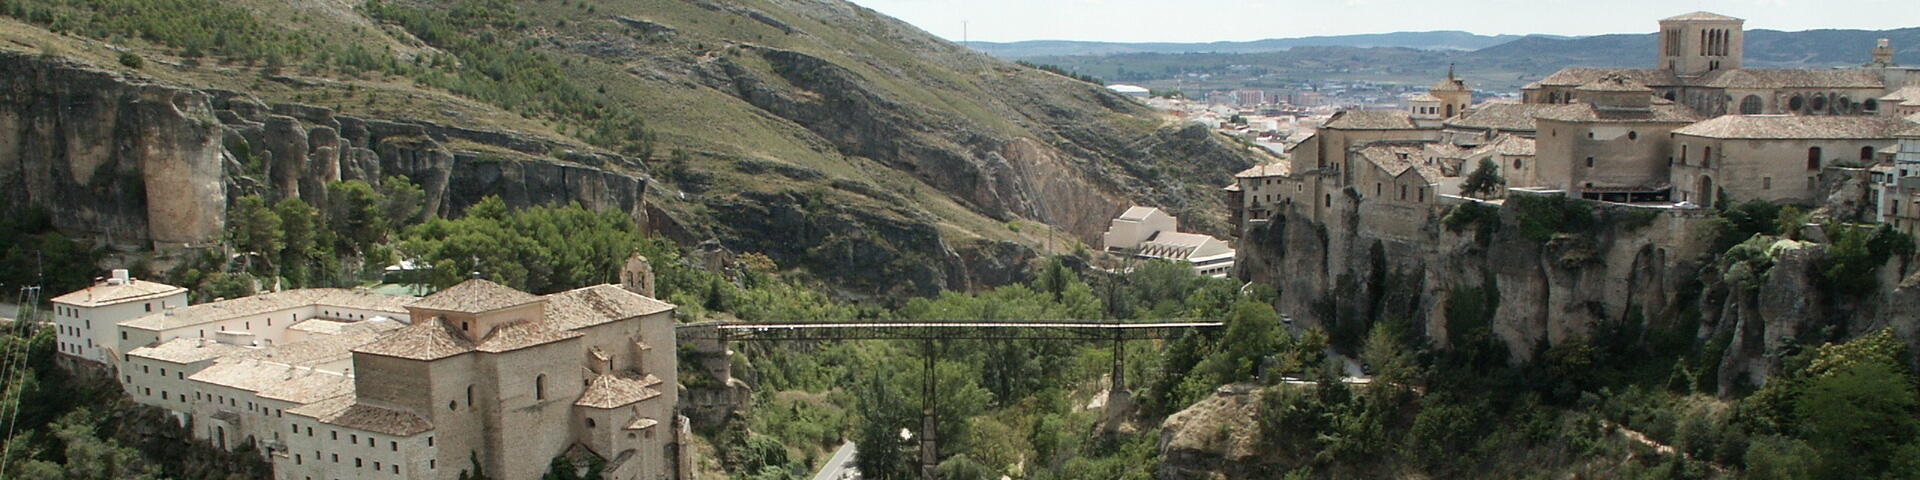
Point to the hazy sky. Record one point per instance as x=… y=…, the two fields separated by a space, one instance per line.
x=1216 y=20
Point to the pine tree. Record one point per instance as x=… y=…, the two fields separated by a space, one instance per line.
x=1483 y=181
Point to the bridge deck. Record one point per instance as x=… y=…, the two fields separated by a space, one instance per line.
x=939 y=330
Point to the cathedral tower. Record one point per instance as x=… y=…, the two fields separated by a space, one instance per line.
x=1701 y=42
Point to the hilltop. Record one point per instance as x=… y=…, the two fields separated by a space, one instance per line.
x=1501 y=66
x=830 y=137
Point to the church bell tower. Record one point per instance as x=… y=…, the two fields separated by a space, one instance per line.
x=1700 y=42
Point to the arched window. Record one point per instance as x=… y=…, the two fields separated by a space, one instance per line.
x=1813 y=158
x=469 y=395
x=1871 y=105
x=1516 y=163
x=1819 y=103
x=1589 y=162
x=1449 y=110
x=1751 y=105
x=1797 y=103
x=1706 y=157
x=540 y=387
x=1866 y=154
x=1631 y=135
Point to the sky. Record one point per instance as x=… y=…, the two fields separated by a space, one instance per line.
x=1241 y=20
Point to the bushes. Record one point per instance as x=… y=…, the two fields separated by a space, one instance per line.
x=132 y=60
x=1854 y=253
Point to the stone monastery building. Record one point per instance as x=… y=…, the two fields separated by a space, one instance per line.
x=346 y=384
x=1696 y=129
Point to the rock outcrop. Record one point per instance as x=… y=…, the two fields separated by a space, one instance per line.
x=1647 y=268
x=138 y=164
x=123 y=160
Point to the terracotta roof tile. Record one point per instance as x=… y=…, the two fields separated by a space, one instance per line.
x=1584 y=112
x=105 y=293
x=184 y=350
x=612 y=391
x=523 y=334
x=1577 y=76
x=1769 y=78
x=425 y=339
x=346 y=411
x=1699 y=16
x=1499 y=116
x=599 y=304
x=1278 y=168
x=1798 y=127
x=1372 y=120
x=269 y=303
x=474 y=296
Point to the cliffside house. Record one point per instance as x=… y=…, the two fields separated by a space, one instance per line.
x=1148 y=232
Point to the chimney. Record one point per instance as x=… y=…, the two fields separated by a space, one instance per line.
x=119 y=277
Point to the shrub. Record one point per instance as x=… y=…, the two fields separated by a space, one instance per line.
x=132 y=60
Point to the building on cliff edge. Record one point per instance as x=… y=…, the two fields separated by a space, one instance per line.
x=1696 y=130
x=338 y=384
x=1147 y=232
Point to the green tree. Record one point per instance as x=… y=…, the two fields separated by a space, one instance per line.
x=1484 y=180
x=1859 y=418
x=89 y=457
x=252 y=226
x=300 y=227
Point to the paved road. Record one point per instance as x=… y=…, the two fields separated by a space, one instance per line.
x=840 y=466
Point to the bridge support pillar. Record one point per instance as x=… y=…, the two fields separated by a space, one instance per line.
x=929 y=453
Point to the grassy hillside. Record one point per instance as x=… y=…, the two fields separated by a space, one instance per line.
x=819 y=110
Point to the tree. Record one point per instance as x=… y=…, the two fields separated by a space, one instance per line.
x=300 y=238
x=1859 y=418
x=1484 y=181
x=89 y=457
x=253 y=227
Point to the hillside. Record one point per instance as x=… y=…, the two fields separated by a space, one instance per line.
x=1502 y=67
x=828 y=136
x=1434 y=40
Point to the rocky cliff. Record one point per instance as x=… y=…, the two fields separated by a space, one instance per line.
x=1554 y=270
x=140 y=164
x=831 y=137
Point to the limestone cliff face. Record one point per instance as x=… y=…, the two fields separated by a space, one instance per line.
x=119 y=159
x=1354 y=267
x=1410 y=266
x=142 y=165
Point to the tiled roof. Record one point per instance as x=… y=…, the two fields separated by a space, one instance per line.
x=1511 y=145
x=1423 y=98
x=613 y=391
x=317 y=350
x=346 y=411
x=1372 y=120
x=642 y=423
x=1137 y=212
x=1770 y=78
x=1798 y=127
x=285 y=382
x=1584 y=112
x=1577 y=76
x=105 y=293
x=1614 y=82
x=184 y=350
x=474 y=296
x=1908 y=96
x=1911 y=132
x=307 y=389
x=322 y=326
x=599 y=304
x=522 y=334
x=268 y=303
x=1698 y=16
x=425 y=339
x=1499 y=116
x=1395 y=158
x=1279 y=168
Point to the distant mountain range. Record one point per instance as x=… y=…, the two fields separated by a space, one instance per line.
x=1434 y=40
x=1503 y=66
